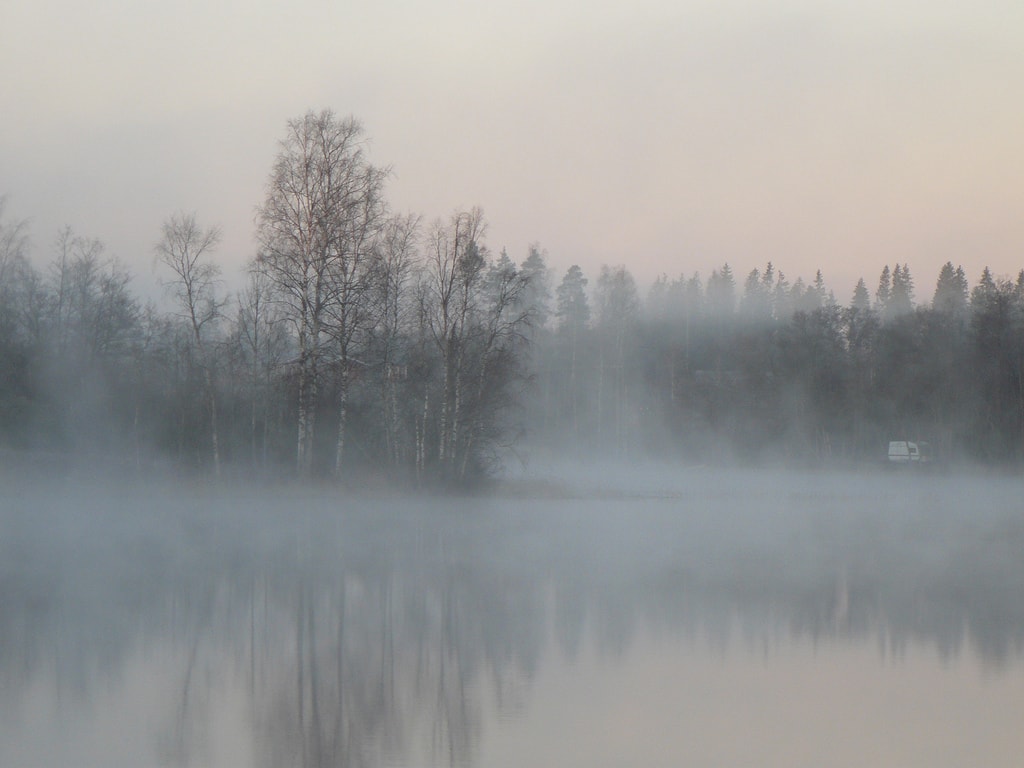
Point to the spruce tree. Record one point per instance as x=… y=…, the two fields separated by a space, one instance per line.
x=860 y=301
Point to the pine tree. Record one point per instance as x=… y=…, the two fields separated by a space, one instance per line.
x=573 y=313
x=861 y=301
x=950 y=290
x=984 y=291
x=756 y=302
x=537 y=296
x=820 y=291
x=901 y=300
x=782 y=301
x=884 y=292
x=721 y=294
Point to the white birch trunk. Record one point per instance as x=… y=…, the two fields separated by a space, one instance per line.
x=339 y=450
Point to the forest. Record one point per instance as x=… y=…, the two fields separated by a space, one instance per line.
x=373 y=346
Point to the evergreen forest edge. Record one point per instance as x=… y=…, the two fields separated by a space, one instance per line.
x=369 y=344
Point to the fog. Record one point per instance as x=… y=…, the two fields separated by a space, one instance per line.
x=406 y=499
x=837 y=618
x=663 y=533
x=540 y=429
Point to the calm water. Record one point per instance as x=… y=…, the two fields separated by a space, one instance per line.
x=697 y=619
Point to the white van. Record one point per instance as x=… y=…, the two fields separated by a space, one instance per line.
x=905 y=452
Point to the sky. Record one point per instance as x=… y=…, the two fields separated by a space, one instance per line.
x=669 y=136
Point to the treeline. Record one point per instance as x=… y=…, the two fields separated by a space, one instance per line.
x=770 y=370
x=369 y=344
x=363 y=341
x=416 y=381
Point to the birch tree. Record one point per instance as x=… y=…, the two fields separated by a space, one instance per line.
x=499 y=335
x=322 y=203
x=396 y=256
x=185 y=250
x=262 y=343
x=352 y=311
x=475 y=313
x=454 y=270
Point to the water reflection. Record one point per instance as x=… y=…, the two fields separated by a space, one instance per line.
x=294 y=629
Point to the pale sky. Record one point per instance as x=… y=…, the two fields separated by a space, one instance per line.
x=666 y=135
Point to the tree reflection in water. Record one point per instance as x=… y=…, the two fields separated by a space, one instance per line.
x=379 y=632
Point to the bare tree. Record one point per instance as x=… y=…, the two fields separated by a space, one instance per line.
x=352 y=311
x=84 y=323
x=91 y=312
x=454 y=270
x=395 y=258
x=65 y=247
x=14 y=360
x=475 y=313
x=14 y=267
x=499 y=334
x=323 y=203
x=13 y=244
x=262 y=343
x=185 y=249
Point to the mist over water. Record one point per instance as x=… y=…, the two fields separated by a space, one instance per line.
x=312 y=504
x=637 y=616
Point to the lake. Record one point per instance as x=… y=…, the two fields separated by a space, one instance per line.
x=653 y=617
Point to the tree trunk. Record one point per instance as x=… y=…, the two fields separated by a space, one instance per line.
x=421 y=438
x=252 y=420
x=212 y=399
x=309 y=351
x=306 y=420
x=303 y=426
x=446 y=414
x=339 y=451
x=573 y=391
